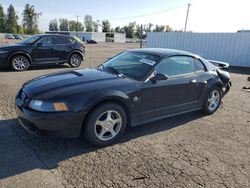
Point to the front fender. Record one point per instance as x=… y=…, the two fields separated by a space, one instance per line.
x=20 y=52
x=105 y=96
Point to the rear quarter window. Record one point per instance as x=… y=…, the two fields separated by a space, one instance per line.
x=199 y=66
x=62 y=40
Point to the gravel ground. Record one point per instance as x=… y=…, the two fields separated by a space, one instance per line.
x=190 y=150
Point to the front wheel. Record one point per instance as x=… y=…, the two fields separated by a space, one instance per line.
x=212 y=101
x=75 y=60
x=19 y=63
x=105 y=124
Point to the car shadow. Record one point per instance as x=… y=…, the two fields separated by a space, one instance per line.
x=40 y=67
x=22 y=152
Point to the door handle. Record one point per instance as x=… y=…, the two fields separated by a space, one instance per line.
x=193 y=81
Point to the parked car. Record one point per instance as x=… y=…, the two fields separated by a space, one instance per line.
x=17 y=37
x=9 y=36
x=91 y=42
x=41 y=50
x=132 y=88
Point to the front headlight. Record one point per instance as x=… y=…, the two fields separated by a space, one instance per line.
x=43 y=106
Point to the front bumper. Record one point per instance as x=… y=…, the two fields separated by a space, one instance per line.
x=59 y=124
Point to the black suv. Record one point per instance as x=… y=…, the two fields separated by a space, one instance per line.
x=42 y=49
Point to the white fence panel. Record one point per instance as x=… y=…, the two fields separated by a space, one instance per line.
x=233 y=48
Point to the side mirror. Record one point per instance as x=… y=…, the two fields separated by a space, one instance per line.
x=39 y=44
x=159 y=76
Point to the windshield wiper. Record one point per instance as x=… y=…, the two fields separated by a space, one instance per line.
x=115 y=71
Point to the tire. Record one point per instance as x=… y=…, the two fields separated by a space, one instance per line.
x=19 y=63
x=75 y=60
x=212 y=101
x=99 y=126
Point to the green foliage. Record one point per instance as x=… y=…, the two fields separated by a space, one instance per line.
x=168 y=28
x=106 y=26
x=118 y=29
x=20 y=29
x=2 y=20
x=63 y=24
x=96 y=25
x=75 y=26
x=159 y=28
x=53 y=25
x=30 y=19
x=11 y=20
x=130 y=30
x=88 y=22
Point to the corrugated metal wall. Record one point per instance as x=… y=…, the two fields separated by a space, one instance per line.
x=233 y=48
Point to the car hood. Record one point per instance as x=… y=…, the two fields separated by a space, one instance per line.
x=58 y=84
x=11 y=46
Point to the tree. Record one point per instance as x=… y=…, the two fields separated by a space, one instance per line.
x=106 y=26
x=53 y=25
x=159 y=28
x=168 y=28
x=130 y=30
x=138 y=31
x=2 y=20
x=88 y=22
x=20 y=29
x=11 y=20
x=118 y=29
x=63 y=24
x=149 y=27
x=75 y=26
x=96 y=25
x=30 y=19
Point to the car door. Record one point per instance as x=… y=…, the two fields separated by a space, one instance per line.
x=62 y=47
x=174 y=95
x=202 y=76
x=43 y=51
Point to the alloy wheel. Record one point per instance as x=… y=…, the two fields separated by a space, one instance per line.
x=213 y=100
x=108 y=125
x=20 y=63
x=75 y=60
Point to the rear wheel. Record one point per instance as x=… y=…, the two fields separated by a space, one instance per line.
x=212 y=101
x=105 y=124
x=19 y=63
x=75 y=60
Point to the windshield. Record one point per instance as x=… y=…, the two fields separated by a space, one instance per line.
x=30 y=40
x=132 y=64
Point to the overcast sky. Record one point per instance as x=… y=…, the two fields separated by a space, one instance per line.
x=205 y=15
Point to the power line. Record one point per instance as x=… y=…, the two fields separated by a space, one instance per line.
x=148 y=14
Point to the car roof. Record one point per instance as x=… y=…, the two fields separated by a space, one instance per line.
x=54 y=35
x=162 y=51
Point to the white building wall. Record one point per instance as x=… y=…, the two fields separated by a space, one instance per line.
x=233 y=48
x=98 y=37
x=119 y=37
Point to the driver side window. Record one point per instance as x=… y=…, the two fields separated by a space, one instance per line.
x=46 y=41
x=176 y=65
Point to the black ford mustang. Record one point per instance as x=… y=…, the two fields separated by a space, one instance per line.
x=132 y=88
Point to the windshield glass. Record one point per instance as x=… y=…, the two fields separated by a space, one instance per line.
x=132 y=64
x=30 y=40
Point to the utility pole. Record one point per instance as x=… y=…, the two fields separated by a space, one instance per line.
x=187 y=17
x=141 y=34
x=77 y=25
